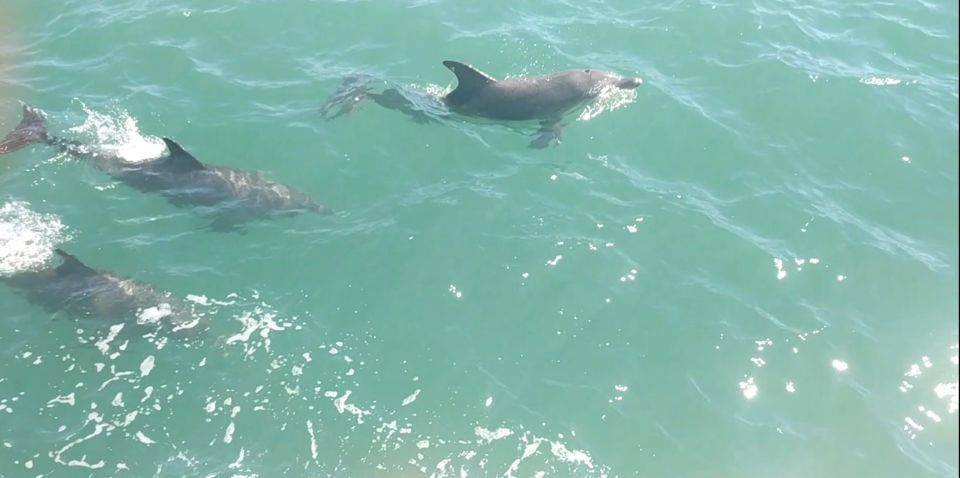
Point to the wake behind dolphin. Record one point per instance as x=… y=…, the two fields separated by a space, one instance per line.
x=547 y=99
x=238 y=196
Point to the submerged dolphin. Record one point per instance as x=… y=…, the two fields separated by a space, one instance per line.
x=546 y=99
x=237 y=195
x=85 y=293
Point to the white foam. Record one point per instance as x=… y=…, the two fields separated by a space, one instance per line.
x=228 y=434
x=198 y=299
x=69 y=399
x=152 y=315
x=571 y=456
x=104 y=345
x=880 y=81
x=344 y=407
x=119 y=134
x=27 y=238
x=144 y=439
x=265 y=324
x=609 y=99
x=147 y=365
x=239 y=461
x=313 y=440
x=413 y=396
x=487 y=436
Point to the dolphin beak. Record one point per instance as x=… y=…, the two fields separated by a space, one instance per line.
x=629 y=83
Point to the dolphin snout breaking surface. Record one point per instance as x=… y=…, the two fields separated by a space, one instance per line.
x=630 y=83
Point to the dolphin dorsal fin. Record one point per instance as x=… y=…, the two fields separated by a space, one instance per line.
x=72 y=265
x=179 y=157
x=469 y=79
x=32 y=117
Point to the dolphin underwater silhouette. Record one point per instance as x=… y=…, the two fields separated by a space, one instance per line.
x=82 y=292
x=237 y=196
x=546 y=98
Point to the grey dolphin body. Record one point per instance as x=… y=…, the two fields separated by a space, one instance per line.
x=236 y=195
x=546 y=99
x=534 y=98
x=85 y=293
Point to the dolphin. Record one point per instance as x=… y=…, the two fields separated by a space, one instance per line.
x=236 y=195
x=82 y=292
x=546 y=99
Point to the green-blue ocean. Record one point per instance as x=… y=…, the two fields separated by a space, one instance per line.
x=746 y=267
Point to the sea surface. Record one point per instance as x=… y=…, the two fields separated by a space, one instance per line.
x=747 y=267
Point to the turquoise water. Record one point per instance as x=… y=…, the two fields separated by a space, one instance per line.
x=749 y=268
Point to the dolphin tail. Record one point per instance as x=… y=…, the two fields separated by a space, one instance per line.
x=347 y=98
x=32 y=129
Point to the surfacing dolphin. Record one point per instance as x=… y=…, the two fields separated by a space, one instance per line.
x=82 y=292
x=547 y=99
x=236 y=196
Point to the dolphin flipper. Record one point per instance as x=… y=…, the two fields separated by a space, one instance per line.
x=550 y=133
x=32 y=129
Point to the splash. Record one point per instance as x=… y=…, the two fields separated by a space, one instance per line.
x=609 y=99
x=118 y=133
x=428 y=99
x=27 y=238
x=437 y=91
